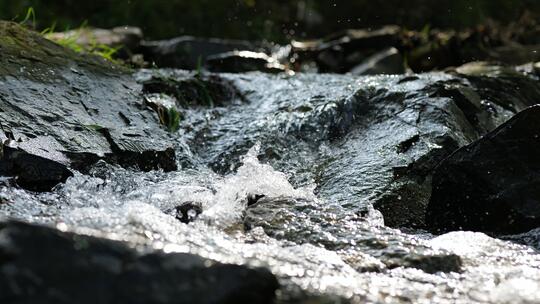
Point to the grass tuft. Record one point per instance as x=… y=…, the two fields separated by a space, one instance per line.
x=71 y=41
x=170 y=118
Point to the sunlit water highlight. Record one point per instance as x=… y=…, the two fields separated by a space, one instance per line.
x=318 y=248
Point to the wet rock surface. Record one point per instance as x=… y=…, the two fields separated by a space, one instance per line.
x=364 y=140
x=277 y=216
x=71 y=111
x=492 y=184
x=44 y=265
x=302 y=175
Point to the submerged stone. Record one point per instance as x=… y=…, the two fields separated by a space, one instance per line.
x=493 y=184
x=187 y=211
x=302 y=221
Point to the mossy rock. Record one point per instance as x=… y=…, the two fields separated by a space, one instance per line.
x=48 y=94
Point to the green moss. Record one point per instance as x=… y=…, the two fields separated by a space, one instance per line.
x=21 y=46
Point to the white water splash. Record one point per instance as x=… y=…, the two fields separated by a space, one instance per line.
x=251 y=178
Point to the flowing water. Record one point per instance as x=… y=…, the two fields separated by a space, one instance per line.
x=311 y=235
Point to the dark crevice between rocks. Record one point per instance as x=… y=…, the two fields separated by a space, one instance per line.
x=404 y=146
x=207 y=90
x=32 y=172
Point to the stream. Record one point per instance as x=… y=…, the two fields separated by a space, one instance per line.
x=284 y=171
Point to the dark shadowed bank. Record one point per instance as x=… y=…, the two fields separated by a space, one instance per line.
x=275 y=21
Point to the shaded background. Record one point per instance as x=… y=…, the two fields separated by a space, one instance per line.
x=277 y=20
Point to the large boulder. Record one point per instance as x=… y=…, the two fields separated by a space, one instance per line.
x=63 y=110
x=45 y=265
x=492 y=184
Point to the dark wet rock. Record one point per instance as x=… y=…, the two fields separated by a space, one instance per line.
x=31 y=171
x=492 y=184
x=243 y=61
x=354 y=39
x=254 y=198
x=437 y=49
x=70 y=110
x=189 y=52
x=344 y=50
x=44 y=265
x=530 y=238
x=515 y=54
x=404 y=204
x=520 y=92
x=532 y=68
x=426 y=50
x=189 y=89
x=335 y=230
x=388 y=61
x=187 y=212
x=126 y=39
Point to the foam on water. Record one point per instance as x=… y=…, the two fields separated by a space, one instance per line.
x=133 y=206
x=251 y=178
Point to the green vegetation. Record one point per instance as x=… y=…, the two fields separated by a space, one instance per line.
x=170 y=118
x=30 y=13
x=72 y=39
x=271 y=20
x=202 y=89
x=204 y=92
